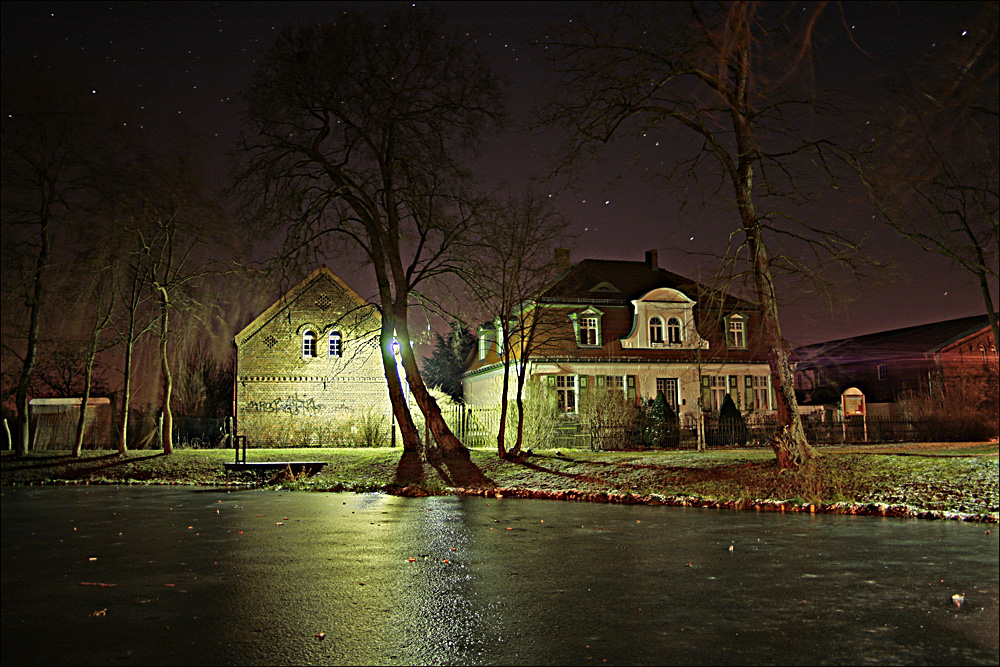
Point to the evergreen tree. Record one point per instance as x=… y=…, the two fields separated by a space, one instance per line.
x=443 y=369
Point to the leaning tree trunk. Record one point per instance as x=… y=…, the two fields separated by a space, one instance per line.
x=449 y=444
x=790 y=445
x=407 y=429
x=81 y=424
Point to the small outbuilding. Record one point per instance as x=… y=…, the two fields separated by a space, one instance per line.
x=54 y=422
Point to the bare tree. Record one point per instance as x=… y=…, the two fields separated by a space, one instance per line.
x=357 y=133
x=513 y=260
x=54 y=157
x=934 y=178
x=728 y=76
x=175 y=220
x=99 y=299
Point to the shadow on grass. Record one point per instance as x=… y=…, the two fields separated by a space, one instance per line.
x=464 y=473
x=559 y=473
x=53 y=460
x=456 y=470
x=86 y=465
x=409 y=470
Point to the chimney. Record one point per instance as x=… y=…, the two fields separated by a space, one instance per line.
x=562 y=259
x=651 y=261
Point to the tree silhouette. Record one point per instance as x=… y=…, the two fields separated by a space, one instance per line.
x=357 y=132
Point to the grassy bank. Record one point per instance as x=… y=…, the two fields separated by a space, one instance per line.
x=927 y=480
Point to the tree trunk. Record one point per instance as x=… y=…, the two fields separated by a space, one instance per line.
x=519 y=398
x=401 y=412
x=168 y=383
x=126 y=395
x=81 y=424
x=791 y=447
x=450 y=445
x=501 y=430
x=31 y=353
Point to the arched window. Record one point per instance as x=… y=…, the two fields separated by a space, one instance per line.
x=655 y=330
x=336 y=349
x=674 y=331
x=308 y=344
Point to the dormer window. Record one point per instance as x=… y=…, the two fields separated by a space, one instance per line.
x=308 y=344
x=736 y=331
x=587 y=326
x=674 y=331
x=656 y=331
x=336 y=349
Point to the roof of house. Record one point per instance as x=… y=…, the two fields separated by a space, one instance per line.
x=617 y=281
x=321 y=273
x=920 y=340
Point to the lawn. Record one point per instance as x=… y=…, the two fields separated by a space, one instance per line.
x=946 y=480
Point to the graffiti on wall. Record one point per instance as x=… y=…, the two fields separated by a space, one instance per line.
x=292 y=405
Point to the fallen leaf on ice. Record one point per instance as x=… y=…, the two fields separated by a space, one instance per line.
x=321 y=636
x=958 y=599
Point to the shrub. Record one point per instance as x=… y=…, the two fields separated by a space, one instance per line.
x=611 y=420
x=660 y=424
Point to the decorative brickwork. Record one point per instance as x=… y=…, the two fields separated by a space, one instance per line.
x=285 y=398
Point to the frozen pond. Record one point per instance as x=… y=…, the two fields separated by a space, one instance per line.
x=130 y=575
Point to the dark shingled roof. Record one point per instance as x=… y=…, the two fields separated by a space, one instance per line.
x=922 y=339
x=631 y=279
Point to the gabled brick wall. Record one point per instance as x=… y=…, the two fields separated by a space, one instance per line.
x=286 y=399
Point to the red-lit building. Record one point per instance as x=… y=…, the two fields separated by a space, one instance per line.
x=890 y=365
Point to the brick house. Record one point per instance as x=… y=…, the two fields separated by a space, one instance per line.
x=635 y=328
x=888 y=365
x=309 y=369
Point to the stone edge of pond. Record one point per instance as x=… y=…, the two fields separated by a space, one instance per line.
x=611 y=497
x=769 y=505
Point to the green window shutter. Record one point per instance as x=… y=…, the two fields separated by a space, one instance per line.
x=630 y=386
x=748 y=396
x=706 y=393
x=733 y=386
x=600 y=380
x=551 y=381
x=770 y=382
x=581 y=381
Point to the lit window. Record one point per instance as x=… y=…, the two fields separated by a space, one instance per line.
x=669 y=388
x=883 y=372
x=566 y=390
x=761 y=392
x=588 y=330
x=737 y=332
x=674 y=331
x=719 y=390
x=308 y=344
x=335 y=346
x=655 y=330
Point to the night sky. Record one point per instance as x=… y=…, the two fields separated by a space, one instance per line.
x=184 y=64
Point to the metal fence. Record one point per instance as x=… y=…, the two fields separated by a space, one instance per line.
x=477 y=427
